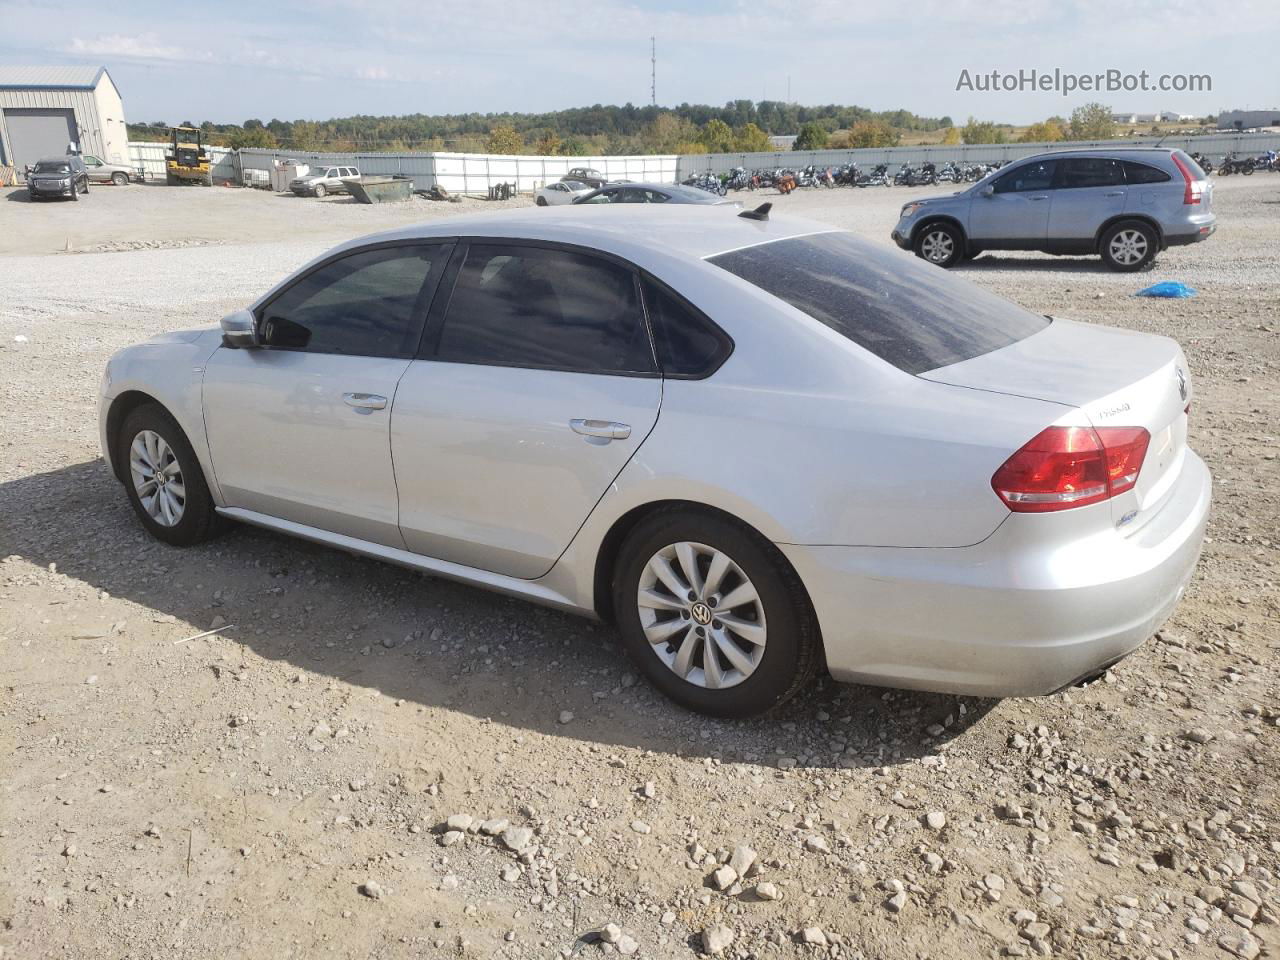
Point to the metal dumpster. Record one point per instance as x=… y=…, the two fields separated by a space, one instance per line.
x=380 y=189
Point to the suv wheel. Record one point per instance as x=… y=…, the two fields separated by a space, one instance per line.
x=163 y=478
x=120 y=179
x=941 y=243
x=1128 y=246
x=320 y=190
x=713 y=615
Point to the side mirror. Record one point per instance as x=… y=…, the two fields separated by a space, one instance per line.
x=987 y=191
x=240 y=330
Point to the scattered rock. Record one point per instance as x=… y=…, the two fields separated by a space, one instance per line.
x=935 y=820
x=724 y=877
x=717 y=938
x=767 y=891
x=816 y=844
x=742 y=860
x=372 y=889
x=517 y=839
x=813 y=936
x=639 y=826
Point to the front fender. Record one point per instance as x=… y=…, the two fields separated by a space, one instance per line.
x=168 y=370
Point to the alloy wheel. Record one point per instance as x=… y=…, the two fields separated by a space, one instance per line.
x=1128 y=247
x=701 y=614
x=157 y=478
x=937 y=246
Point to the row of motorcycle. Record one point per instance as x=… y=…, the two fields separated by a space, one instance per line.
x=912 y=175
x=846 y=175
x=1233 y=163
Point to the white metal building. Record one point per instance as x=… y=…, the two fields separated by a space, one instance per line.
x=1249 y=119
x=42 y=109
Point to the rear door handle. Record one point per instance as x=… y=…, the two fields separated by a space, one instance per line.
x=1115 y=193
x=601 y=429
x=1038 y=198
x=364 y=401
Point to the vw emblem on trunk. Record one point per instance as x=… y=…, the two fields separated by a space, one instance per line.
x=1182 y=382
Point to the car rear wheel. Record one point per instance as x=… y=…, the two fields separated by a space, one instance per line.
x=542 y=201
x=713 y=615
x=163 y=478
x=1128 y=246
x=940 y=243
x=120 y=179
x=320 y=190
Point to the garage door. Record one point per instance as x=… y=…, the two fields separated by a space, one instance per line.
x=39 y=132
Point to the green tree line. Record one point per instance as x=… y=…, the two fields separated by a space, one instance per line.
x=738 y=126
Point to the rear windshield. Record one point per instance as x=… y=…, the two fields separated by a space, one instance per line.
x=910 y=313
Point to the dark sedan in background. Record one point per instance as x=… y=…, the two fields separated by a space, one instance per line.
x=653 y=193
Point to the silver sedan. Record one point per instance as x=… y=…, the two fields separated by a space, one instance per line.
x=758 y=445
x=560 y=192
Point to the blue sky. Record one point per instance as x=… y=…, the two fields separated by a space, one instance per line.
x=293 y=60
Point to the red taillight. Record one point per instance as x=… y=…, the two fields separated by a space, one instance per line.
x=1064 y=467
x=1191 y=191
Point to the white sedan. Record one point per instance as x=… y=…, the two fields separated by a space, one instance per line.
x=560 y=192
x=760 y=446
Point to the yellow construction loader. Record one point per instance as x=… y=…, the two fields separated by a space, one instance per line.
x=187 y=161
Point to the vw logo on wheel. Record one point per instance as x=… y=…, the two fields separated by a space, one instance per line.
x=701 y=613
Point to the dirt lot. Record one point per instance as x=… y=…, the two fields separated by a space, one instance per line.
x=280 y=789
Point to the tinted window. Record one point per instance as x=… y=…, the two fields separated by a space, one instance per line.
x=1090 y=172
x=1029 y=176
x=530 y=306
x=364 y=305
x=903 y=310
x=689 y=345
x=653 y=196
x=1141 y=173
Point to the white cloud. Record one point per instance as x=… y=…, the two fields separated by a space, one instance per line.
x=143 y=46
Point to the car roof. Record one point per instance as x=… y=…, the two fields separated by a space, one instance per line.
x=638 y=232
x=67 y=158
x=1101 y=152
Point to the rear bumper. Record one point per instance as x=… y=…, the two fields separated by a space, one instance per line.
x=1203 y=232
x=1013 y=615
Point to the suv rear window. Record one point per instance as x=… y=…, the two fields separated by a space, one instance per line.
x=1142 y=173
x=912 y=314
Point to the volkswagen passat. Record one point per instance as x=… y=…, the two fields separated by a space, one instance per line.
x=758 y=445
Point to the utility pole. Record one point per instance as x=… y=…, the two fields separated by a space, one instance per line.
x=653 y=71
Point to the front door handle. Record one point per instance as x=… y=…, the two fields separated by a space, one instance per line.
x=601 y=429
x=364 y=401
x=1038 y=198
x=1114 y=193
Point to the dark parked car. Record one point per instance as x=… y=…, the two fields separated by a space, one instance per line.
x=653 y=193
x=58 y=177
x=592 y=177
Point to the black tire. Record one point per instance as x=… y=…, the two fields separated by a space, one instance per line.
x=120 y=179
x=542 y=201
x=940 y=243
x=86 y=186
x=1122 y=265
x=791 y=655
x=319 y=191
x=199 y=521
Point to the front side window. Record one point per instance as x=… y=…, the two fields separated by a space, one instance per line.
x=367 y=304
x=527 y=306
x=1079 y=172
x=1029 y=176
x=901 y=309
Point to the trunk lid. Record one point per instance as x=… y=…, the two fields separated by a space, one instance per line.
x=1118 y=378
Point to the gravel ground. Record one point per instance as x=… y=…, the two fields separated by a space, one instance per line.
x=370 y=763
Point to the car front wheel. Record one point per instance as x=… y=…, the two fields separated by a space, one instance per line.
x=713 y=615
x=940 y=243
x=320 y=190
x=163 y=478
x=120 y=179
x=1128 y=246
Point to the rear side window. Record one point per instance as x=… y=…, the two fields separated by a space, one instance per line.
x=525 y=306
x=366 y=305
x=1142 y=173
x=689 y=345
x=1077 y=172
x=907 y=312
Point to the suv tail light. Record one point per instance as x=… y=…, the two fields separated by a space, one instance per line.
x=1064 y=467
x=1191 y=190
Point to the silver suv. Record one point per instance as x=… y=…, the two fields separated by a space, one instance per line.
x=321 y=181
x=1125 y=205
